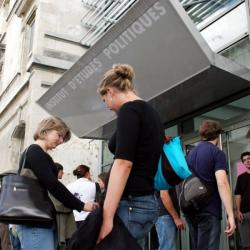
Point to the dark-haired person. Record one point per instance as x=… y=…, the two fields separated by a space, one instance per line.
x=136 y=145
x=208 y=162
x=242 y=196
x=102 y=180
x=83 y=189
x=60 y=172
x=50 y=133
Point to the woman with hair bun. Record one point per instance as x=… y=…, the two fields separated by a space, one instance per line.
x=136 y=145
x=83 y=189
x=82 y=171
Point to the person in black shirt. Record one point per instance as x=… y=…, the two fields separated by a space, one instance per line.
x=169 y=220
x=136 y=145
x=50 y=133
x=242 y=192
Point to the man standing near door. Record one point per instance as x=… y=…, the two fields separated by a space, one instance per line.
x=208 y=162
x=242 y=195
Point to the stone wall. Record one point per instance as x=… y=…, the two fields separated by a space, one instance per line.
x=27 y=75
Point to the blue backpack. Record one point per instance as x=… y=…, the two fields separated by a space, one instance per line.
x=172 y=166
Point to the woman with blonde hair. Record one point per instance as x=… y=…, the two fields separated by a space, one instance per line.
x=50 y=133
x=136 y=145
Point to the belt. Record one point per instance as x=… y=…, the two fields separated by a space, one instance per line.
x=130 y=196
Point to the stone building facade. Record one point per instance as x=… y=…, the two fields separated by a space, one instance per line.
x=39 y=41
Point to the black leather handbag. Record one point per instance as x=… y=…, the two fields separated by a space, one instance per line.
x=24 y=200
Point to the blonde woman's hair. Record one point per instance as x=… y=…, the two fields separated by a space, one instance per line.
x=52 y=123
x=119 y=76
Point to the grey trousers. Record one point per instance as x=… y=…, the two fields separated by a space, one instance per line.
x=244 y=229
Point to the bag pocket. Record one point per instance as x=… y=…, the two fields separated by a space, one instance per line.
x=195 y=194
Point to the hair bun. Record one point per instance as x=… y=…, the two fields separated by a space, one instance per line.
x=124 y=70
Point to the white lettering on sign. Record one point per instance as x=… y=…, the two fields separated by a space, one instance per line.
x=137 y=28
x=57 y=98
x=152 y=15
x=78 y=80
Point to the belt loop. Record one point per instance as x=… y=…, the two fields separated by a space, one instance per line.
x=157 y=194
x=130 y=197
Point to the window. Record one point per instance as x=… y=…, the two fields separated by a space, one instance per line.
x=30 y=33
x=101 y=16
x=239 y=52
x=2 y=53
x=227 y=29
x=31 y=36
x=17 y=139
x=172 y=131
x=200 y=10
x=227 y=115
x=107 y=157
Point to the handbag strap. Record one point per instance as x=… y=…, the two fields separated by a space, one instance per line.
x=21 y=165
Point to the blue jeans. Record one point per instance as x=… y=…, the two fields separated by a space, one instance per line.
x=34 y=238
x=139 y=214
x=205 y=230
x=166 y=232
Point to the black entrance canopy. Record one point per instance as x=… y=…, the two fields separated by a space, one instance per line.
x=175 y=70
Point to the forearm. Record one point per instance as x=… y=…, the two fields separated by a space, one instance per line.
x=238 y=202
x=168 y=204
x=173 y=213
x=60 y=192
x=226 y=197
x=224 y=191
x=117 y=182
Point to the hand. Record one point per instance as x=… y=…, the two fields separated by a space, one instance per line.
x=179 y=223
x=90 y=206
x=167 y=139
x=106 y=229
x=230 y=228
x=240 y=216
